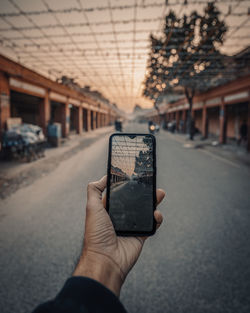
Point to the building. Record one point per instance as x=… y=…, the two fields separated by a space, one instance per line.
x=39 y=100
x=221 y=110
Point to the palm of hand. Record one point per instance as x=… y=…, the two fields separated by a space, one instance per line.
x=100 y=237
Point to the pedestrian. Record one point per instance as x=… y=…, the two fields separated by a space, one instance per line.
x=243 y=133
x=105 y=261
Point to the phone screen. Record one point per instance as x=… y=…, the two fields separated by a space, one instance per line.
x=131 y=185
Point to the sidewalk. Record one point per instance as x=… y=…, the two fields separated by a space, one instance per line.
x=229 y=151
x=17 y=174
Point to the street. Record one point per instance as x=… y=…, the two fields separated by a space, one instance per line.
x=197 y=262
x=122 y=200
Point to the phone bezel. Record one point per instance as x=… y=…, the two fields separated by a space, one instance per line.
x=133 y=233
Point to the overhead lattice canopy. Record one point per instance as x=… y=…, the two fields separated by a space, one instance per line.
x=102 y=43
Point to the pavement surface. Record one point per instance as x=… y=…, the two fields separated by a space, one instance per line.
x=197 y=262
x=122 y=206
x=16 y=174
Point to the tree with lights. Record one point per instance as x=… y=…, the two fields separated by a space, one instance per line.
x=186 y=56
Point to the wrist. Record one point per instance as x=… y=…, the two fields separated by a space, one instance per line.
x=101 y=268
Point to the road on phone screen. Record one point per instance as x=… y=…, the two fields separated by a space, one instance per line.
x=197 y=262
x=123 y=197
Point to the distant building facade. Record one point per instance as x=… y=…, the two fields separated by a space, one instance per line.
x=38 y=100
x=218 y=112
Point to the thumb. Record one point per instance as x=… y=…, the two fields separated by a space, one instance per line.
x=95 y=189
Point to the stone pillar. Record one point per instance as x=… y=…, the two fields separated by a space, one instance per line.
x=94 y=120
x=88 y=120
x=44 y=109
x=98 y=119
x=103 y=120
x=204 y=121
x=79 y=124
x=4 y=101
x=65 y=118
x=223 y=122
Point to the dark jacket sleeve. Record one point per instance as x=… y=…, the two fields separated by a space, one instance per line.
x=82 y=295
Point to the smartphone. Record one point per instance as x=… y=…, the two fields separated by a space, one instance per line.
x=131 y=184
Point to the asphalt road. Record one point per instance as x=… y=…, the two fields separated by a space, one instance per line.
x=197 y=262
x=122 y=206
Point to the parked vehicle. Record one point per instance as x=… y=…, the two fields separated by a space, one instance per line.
x=25 y=141
x=172 y=126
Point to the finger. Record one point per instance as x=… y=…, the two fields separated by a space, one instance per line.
x=158 y=218
x=160 y=194
x=104 y=199
x=95 y=189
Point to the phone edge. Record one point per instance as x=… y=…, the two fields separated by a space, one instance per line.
x=133 y=234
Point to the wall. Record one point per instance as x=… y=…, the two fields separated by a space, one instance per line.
x=236 y=114
x=213 y=121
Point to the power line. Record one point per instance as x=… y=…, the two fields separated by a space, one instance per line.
x=96 y=54
x=114 y=7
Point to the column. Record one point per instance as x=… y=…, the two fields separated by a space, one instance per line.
x=109 y=118
x=4 y=101
x=88 y=120
x=94 y=120
x=79 y=124
x=98 y=116
x=102 y=124
x=204 y=121
x=44 y=109
x=223 y=122
x=103 y=120
x=65 y=118
x=97 y=119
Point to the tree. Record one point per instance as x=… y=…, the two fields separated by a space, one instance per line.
x=186 y=56
x=144 y=162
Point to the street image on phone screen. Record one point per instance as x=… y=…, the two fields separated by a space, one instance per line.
x=132 y=182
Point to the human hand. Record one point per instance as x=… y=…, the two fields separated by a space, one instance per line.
x=107 y=257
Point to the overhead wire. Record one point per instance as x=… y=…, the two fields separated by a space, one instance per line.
x=33 y=52
x=117 y=48
x=114 y=7
x=99 y=50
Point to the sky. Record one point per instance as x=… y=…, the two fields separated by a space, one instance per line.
x=102 y=43
x=125 y=151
